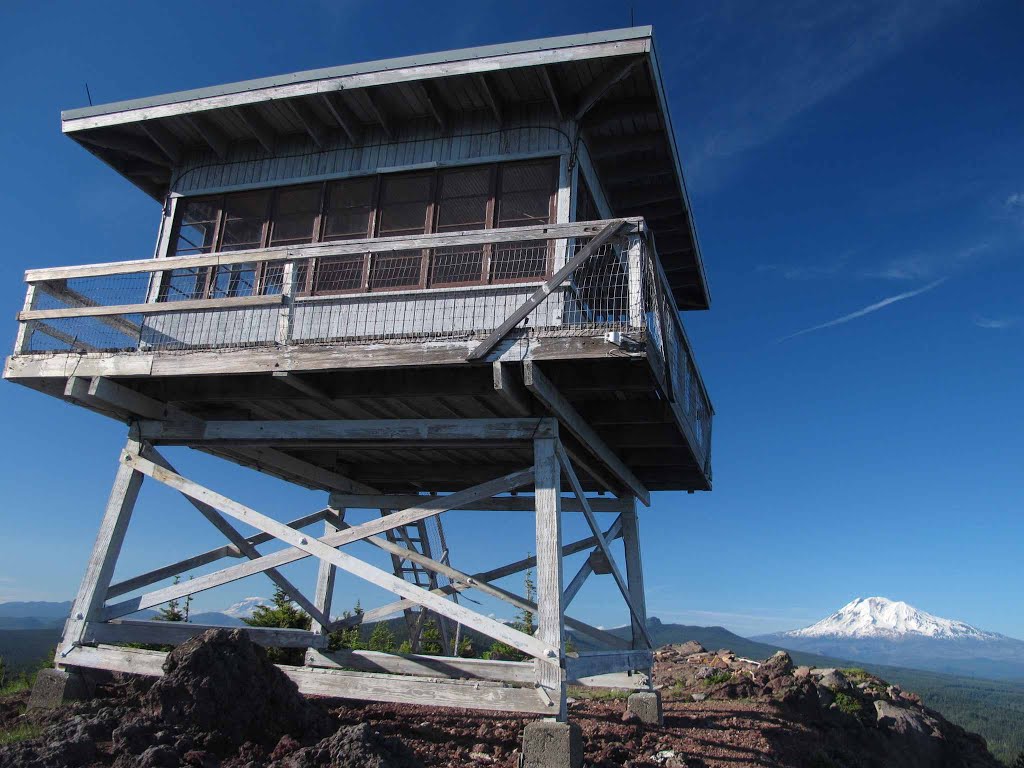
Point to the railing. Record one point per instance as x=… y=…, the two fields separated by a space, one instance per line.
x=458 y=285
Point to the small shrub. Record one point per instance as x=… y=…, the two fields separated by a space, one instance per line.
x=848 y=704
x=19 y=733
x=598 y=694
x=719 y=677
x=855 y=674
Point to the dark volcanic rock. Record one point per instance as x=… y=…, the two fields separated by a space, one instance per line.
x=223 y=683
x=356 y=746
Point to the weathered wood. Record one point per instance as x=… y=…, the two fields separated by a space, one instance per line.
x=520 y=503
x=177 y=632
x=548 y=394
x=434 y=506
x=240 y=542
x=205 y=558
x=550 y=618
x=600 y=86
x=428 y=92
x=603 y=662
x=325 y=577
x=165 y=140
x=346 y=119
x=308 y=473
x=338 y=248
x=430 y=666
x=152 y=308
x=609 y=231
x=635 y=574
x=88 y=605
x=59 y=290
x=211 y=134
x=310 y=123
x=639 y=619
x=552 y=89
x=258 y=127
x=490 y=97
x=379 y=113
x=421 y=431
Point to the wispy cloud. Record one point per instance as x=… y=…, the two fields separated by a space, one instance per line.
x=801 y=272
x=865 y=311
x=926 y=266
x=1014 y=206
x=996 y=323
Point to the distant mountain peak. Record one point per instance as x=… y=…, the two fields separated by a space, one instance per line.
x=870 y=617
x=243 y=608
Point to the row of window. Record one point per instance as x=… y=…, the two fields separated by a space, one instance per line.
x=386 y=205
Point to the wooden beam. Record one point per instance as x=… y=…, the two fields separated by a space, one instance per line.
x=638 y=617
x=594 y=92
x=155 y=308
x=241 y=543
x=635 y=573
x=177 y=632
x=129 y=145
x=92 y=592
x=325 y=577
x=550 y=614
x=59 y=290
x=490 y=97
x=311 y=124
x=321 y=549
x=607 y=233
x=606 y=148
x=604 y=662
x=547 y=393
x=198 y=561
x=164 y=139
x=434 y=506
x=210 y=133
x=323 y=430
x=617 y=111
x=345 y=117
x=520 y=503
x=418 y=664
x=311 y=474
x=430 y=95
x=379 y=113
x=258 y=127
x=549 y=85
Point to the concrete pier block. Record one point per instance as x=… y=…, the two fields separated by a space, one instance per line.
x=54 y=687
x=647 y=706
x=550 y=744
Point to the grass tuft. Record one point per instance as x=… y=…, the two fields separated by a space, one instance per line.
x=19 y=733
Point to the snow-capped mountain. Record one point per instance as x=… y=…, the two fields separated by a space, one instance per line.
x=243 y=608
x=882 y=631
x=881 y=617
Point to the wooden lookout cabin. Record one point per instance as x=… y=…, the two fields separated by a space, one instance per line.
x=440 y=282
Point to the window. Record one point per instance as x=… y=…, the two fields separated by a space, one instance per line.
x=526 y=196
x=385 y=205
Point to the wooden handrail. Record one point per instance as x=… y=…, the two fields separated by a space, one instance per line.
x=322 y=250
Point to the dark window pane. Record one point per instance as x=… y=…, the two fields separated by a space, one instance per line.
x=294 y=217
x=517 y=261
x=244 y=216
x=342 y=273
x=234 y=280
x=457 y=264
x=403 y=205
x=197 y=226
x=525 y=195
x=397 y=269
x=349 y=206
x=462 y=199
x=183 y=284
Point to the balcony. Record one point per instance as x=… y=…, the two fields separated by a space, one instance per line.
x=484 y=294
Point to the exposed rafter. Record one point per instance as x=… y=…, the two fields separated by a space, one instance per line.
x=128 y=144
x=379 y=113
x=602 y=147
x=627 y=109
x=431 y=96
x=649 y=194
x=211 y=134
x=490 y=97
x=600 y=86
x=552 y=88
x=640 y=170
x=311 y=124
x=257 y=126
x=164 y=139
x=345 y=117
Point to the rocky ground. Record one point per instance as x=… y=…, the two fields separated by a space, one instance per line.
x=222 y=704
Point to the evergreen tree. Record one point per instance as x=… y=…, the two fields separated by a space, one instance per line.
x=173 y=610
x=348 y=637
x=281 y=614
x=382 y=638
x=524 y=623
x=430 y=639
x=1019 y=762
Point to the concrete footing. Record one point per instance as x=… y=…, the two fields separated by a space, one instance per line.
x=54 y=687
x=647 y=706
x=549 y=744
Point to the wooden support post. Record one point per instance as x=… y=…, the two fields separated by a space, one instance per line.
x=88 y=605
x=634 y=574
x=284 y=318
x=550 y=675
x=325 y=578
x=24 y=341
x=635 y=260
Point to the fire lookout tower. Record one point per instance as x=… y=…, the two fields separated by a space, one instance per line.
x=419 y=285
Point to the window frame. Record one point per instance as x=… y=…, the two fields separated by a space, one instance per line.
x=308 y=288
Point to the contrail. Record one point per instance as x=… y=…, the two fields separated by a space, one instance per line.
x=865 y=311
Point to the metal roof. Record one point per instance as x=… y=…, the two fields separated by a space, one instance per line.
x=607 y=83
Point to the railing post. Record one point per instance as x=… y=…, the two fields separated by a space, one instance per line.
x=26 y=327
x=634 y=260
x=284 y=318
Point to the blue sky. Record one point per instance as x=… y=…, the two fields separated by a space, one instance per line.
x=857 y=175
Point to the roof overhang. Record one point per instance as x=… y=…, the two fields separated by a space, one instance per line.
x=608 y=82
